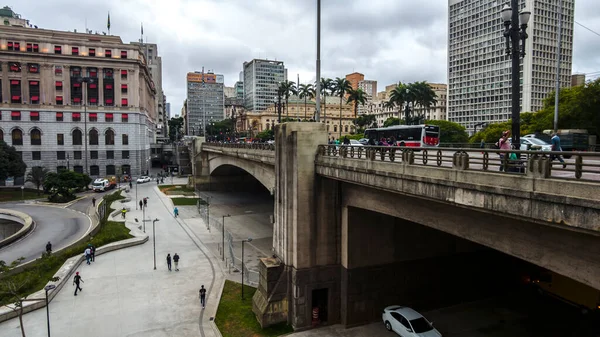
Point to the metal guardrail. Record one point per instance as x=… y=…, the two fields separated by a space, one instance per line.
x=581 y=166
x=250 y=146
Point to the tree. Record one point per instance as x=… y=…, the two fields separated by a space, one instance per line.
x=424 y=95
x=356 y=97
x=175 y=128
x=220 y=128
x=61 y=185
x=491 y=133
x=363 y=122
x=341 y=87
x=266 y=135
x=11 y=163
x=12 y=288
x=399 y=97
x=326 y=86
x=391 y=121
x=37 y=176
x=288 y=88
x=307 y=91
x=451 y=132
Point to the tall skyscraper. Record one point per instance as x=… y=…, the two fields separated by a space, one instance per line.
x=205 y=101
x=261 y=80
x=479 y=71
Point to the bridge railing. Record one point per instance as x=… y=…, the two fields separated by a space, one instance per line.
x=579 y=166
x=250 y=146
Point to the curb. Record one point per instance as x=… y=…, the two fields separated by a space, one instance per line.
x=20 y=217
x=37 y=300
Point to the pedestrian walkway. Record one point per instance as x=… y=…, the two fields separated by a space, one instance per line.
x=122 y=293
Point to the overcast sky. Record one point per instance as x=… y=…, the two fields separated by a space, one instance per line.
x=386 y=40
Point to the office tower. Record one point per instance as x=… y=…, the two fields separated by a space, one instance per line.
x=205 y=101
x=261 y=80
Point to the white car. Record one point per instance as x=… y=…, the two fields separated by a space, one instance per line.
x=535 y=144
x=143 y=179
x=406 y=322
x=354 y=142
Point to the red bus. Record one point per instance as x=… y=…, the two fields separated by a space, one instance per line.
x=408 y=135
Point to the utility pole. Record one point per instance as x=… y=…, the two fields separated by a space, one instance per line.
x=318 y=84
x=558 y=55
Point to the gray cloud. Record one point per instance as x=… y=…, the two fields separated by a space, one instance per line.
x=388 y=41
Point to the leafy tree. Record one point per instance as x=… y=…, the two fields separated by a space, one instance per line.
x=37 y=176
x=412 y=94
x=491 y=133
x=326 y=87
x=287 y=89
x=221 y=127
x=450 y=132
x=11 y=163
x=175 y=127
x=62 y=185
x=398 y=97
x=424 y=95
x=392 y=121
x=363 y=122
x=266 y=135
x=306 y=91
x=341 y=87
x=356 y=97
x=12 y=288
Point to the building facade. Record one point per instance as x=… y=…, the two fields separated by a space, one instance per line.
x=479 y=71
x=369 y=87
x=239 y=90
x=577 y=80
x=354 y=79
x=229 y=92
x=102 y=127
x=10 y=18
x=261 y=80
x=205 y=101
x=438 y=111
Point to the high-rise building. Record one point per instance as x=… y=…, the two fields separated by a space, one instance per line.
x=479 y=71
x=239 y=90
x=369 y=87
x=150 y=52
x=577 y=80
x=78 y=101
x=261 y=80
x=354 y=78
x=229 y=92
x=205 y=101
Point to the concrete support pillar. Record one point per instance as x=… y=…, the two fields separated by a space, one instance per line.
x=408 y=157
x=539 y=167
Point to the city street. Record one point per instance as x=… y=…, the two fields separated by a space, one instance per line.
x=59 y=225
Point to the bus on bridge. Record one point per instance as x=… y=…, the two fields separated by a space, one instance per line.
x=408 y=135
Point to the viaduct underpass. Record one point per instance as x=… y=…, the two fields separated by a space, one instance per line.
x=349 y=244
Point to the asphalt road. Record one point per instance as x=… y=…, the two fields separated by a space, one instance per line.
x=60 y=226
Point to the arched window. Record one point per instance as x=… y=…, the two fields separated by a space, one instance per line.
x=109 y=137
x=77 y=137
x=17 y=137
x=36 y=137
x=335 y=128
x=346 y=128
x=93 y=137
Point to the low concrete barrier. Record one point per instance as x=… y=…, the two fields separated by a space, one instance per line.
x=37 y=300
x=21 y=218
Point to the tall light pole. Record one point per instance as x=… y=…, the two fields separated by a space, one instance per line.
x=515 y=36
x=86 y=80
x=154 y=240
x=318 y=84
x=243 y=241
x=144 y=217
x=47 y=289
x=223 y=242
x=558 y=55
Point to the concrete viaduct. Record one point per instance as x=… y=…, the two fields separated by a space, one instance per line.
x=338 y=219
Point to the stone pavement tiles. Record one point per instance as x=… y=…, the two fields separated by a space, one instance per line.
x=122 y=293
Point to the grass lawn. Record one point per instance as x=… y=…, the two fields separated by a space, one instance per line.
x=185 y=201
x=235 y=317
x=39 y=272
x=9 y=194
x=173 y=188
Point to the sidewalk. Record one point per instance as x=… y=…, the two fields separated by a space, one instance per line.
x=122 y=293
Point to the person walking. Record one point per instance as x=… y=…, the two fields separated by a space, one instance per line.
x=76 y=281
x=169 y=261
x=556 y=147
x=94 y=201
x=130 y=185
x=92 y=252
x=176 y=211
x=145 y=202
x=49 y=248
x=141 y=204
x=88 y=255
x=176 y=260
x=503 y=144
x=202 y=296
x=123 y=211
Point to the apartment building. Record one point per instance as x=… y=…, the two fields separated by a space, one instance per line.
x=261 y=80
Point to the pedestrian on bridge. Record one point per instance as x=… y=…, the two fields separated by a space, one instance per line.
x=76 y=281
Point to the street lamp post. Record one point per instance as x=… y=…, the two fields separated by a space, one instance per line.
x=223 y=241
x=47 y=289
x=515 y=32
x=318 y=84
x=136 y=198
x=144 y=217
x=154 y=240
x=243 y=241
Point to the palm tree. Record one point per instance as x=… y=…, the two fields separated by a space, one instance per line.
x=399 y=96
x=425 y=96
x=37 y=176
x=357 y=97
x=306 y=91
x=341 y=87
x=326 y=86
x=288 y=88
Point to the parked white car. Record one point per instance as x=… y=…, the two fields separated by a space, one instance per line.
x=406 y=322
x=143 y=179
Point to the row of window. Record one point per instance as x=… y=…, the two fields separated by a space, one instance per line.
x=77 y=155
x=76 y=93
x=76 y=51
x=35 y=136
x=75 y=116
